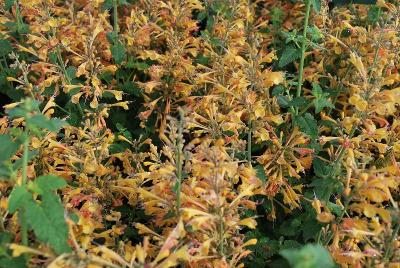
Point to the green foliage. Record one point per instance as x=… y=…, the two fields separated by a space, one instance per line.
x=309 y=256
x=321 y=100
x=8 y=4
x=9 y=147
x=316 y=5
x=37 y=203
x=308 y=125
x=118 y=52
x=289 y=55
x=261 y=173
x=45 y=213
x=6 y=258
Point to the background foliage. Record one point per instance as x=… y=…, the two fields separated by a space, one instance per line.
x=189 y=133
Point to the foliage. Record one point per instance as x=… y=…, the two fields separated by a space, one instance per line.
x=218 y=133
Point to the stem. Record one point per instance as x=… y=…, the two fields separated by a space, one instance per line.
x=18 y=17
x=388 y=252
x=249 y=143
x=115 y=15
x=221 y=233
x=303 y=49
x=319 y=237
x=25 y=159
x=24 y=226
x=179 y=163
x=64 y=70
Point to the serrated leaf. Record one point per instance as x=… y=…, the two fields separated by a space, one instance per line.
x=107 y=5
x=48 y=223
x=321 y=103
x=279 y=89
x=321 y=168
x=298 y=102
x=309 y=256
x=42 y=122
x=325 y=188
x=261 y=173
x=283 y=101
x=289 y=55
x=321 y=99
x=310 y=227
x=8 y=147
x=307 y=125
x=316 y=5
x=5 y=48
x=18 y=197
x=336 y=209
x=316 y=90
x=118 y=52
x=137 y=65
x=9 y=4
x=48 y=183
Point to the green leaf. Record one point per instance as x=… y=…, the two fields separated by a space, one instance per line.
x=290 y=227
x=48 y=223
x=298 y=102
x=74 y=217
x=290 y=245
x=289 y=55
x=316 y=5
x=277 y=90
x=336 y=209
x=317 y=90
x=320 y=104
x=48 y=183
x=42 y=122
x=310 y=227
x=8 y=261
x=18 y=197
x=307 y=125
x=203 y=60
x=261 y=173
x=321 y=99
x=283 y=101
x=5 y=48
x=8 y=147
x=309 y=256
x=9 y=4
x=325 y=188
x=107 y=5
x=137 y=65
x=118 y=52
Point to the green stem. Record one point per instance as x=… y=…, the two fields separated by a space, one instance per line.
x=24 y=226
x=249 y=143
x=319 y=237
x=179 y=148
x=303 y=49
x=221 y=233
x=115 y=15
x=25 y=158
x=64 y=70
x=18 y=17
x=388 y=252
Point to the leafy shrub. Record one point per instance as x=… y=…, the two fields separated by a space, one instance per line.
x=218 y=133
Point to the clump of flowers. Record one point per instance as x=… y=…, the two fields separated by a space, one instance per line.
x=218 y=133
